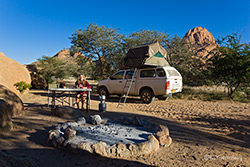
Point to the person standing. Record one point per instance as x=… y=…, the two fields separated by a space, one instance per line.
x=81 y=83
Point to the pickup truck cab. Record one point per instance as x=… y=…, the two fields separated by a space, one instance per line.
x=148 y=83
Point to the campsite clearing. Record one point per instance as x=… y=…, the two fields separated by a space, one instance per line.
x=204 y=133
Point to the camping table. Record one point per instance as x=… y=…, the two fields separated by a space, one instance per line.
x=59 y=95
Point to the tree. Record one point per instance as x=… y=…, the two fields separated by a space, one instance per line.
x=146 y=36
x=100 y=44
x=142 y=37
x=81 y=65
x=50 y=67
x=184 y=59
x=231 y=63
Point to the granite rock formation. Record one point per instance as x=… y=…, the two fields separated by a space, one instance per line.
x=201 y=41
x=12 y=72
x=14 y=102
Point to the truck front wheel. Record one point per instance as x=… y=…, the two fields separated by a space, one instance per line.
x=147 y=96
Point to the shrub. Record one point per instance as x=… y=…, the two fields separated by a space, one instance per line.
x=22 y=86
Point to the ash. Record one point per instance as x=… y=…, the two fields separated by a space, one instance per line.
x=110 y=133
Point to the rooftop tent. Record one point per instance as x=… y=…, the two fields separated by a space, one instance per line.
x=146 y=55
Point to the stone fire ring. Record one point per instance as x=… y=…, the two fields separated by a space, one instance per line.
x=66 y=137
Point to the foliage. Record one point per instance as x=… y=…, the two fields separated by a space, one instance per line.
x=100 y=44
x=142 y=37
x=22 y=86
x=146 y=36
x=201 y=93
x=52 y=67
x=230 y=64
x=183 y=59
x=81 y=65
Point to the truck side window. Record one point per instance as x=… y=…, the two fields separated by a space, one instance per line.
x=161 y=72
x=147 y=73
x=129 y=74
x=118 y=75
x=172 y=72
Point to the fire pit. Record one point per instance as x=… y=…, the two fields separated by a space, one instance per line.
x=123 y=138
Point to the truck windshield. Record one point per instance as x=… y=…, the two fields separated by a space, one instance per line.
x=118 y=75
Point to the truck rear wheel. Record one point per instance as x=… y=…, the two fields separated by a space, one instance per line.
x=147 y=96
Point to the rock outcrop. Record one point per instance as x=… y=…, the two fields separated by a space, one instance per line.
x=12 y=72
x=66 y=112
x=201 y=41
x=37 y=81
x=14 y=102
x=5 y=117
x=66 y=54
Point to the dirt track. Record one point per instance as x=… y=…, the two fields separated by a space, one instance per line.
x=203 y=133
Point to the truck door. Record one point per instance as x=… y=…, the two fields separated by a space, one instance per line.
x=128 y=77
x=116 y=82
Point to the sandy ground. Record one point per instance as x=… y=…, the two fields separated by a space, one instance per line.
x=204 y=134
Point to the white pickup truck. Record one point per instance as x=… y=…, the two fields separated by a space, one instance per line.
x=160 y=82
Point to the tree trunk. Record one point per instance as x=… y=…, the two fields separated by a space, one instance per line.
x=100 y=64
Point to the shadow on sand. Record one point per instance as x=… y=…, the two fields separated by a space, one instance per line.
x=48 y=156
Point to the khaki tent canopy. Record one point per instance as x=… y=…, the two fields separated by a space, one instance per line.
x=146 y=55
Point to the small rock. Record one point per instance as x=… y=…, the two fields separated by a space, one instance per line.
x=165 y=140
x=147 y=147
x=86 y=147
x=100 y=148
x=112 y=150
x=163 y=136
x=134 y=149
x=163 y=131
x=122 y=150
x=95 y=119
x=53 y=134
x=81 y=121
x=60 y=141
x=69 y=132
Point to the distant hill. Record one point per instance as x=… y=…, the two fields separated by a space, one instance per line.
x=201 y=41
x=66 y=54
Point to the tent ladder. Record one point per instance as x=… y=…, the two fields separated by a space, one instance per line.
x=126 y=85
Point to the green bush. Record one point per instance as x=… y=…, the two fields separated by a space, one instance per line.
x=197 y=94
x=22 y=86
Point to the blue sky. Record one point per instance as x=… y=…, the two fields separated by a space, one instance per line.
x=30 y=29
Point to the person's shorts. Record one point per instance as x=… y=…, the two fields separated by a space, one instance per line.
x=81 y=95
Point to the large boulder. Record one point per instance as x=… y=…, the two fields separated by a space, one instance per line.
x=66 y=112
x=37 y=81
x=14 y=102
x=5 y=117
x=12 y=72
x=201 y=42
